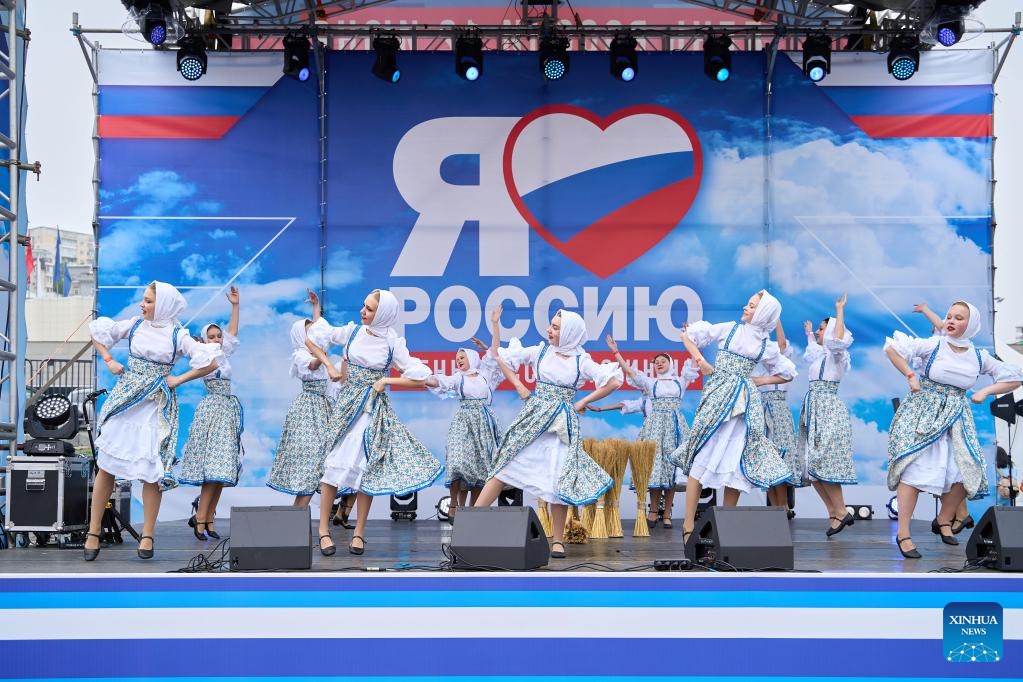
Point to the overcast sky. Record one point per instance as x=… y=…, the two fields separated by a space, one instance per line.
x=60 y=125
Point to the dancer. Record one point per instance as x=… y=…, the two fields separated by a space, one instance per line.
x=825 y=432
x=213 y=451
x=139 y=420
x=298 y=461
x=727 y=446
x=932 y=442
x=542 y=450
x=665 y=425
x=474 y=433
x=367 y=447
x=778 y=423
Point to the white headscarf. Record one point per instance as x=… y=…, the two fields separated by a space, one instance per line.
x=767 y=313
x=474 y=361
x=386 y=315
x=573 y=333
x=672 y=371
x=169 y=304
x=972 y=327
x=205 y=335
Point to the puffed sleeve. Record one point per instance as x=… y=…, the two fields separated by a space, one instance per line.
x=230 y=344
x=411 y=368
x=323 y=334
x=634 y=406
x=490 y=371
x=777 y=364
x=108 y=332
x=640 y=381
x=839 y=349
x=909 y=347
x=598 y=373
x=300 y=361
x=690 y=372
x=447 y=386
x=200 y=355
x=998 y=370
x=704 y=333
x=813 y=352
x=515 y=354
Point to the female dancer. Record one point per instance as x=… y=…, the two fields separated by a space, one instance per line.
x=727 y=445
x=665 y=425
x=139 y=420
x=778 y=423
x=213 y=452
x=542 y=450
x=825 y=433
x=367 y=448
x=298 y=462
x=474 y=433
x=932 y=442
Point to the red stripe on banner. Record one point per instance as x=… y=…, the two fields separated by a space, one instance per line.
x=442 y=362
x=166 y=127
x=950 y=125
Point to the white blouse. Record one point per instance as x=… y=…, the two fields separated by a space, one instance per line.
x=156 y=343
x=636 y=406
x=760 y=371
x=482 y=384
x=560 y=370
x=949 y=367
x=367 y=350
x=665 y=386
x=300 y=361
x=833 y=355
x=229 y=345
x=746 y=342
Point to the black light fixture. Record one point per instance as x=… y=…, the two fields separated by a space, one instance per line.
x=950 y=31
x=296 y=56
x=717 y=58
x=444 y=508
x=860 y=511
x=386 y=65
x=893 y=508
x=152 y=18
x=510 y=497
x=1006 y=409
x=554 y=59
x=404 y=506
x=816 y=57
x=52 y=421
x=192 y=57
x=904 y=57
x=624 y=62
x=469 y=56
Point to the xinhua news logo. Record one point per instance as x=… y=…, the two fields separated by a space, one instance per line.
x=973 y=632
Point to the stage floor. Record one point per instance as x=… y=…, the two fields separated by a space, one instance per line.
x=865 y=547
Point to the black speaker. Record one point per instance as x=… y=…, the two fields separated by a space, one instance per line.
x=997 y=539
x=264 y=538
x=747 y=538
x=498 y=537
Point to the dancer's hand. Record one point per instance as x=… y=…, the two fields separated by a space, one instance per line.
x=612 y=344
x=495 y=314
x=580 y=406
x=840 y=303
x=808 y=327
x=978 y=396
x=380 y=385
x=173 y=381
x=920 y=308
x=115 y=367
x=914 y=383
x=523 y=392
x=479 y=344
x=333 y=373
x=312 y=297
x=232 y=295
x=705 y=367
x=594 y=408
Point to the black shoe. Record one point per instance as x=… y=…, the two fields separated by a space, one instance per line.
x=357 y=550
x=791 y=513
x=651 y=524
x=935 y=526
x=200 y=534
x=911 y=554
x=947 y=539
x=959 y=524
x=91 y=554
x=327 y=551
x=145 y=553
x=212 y=533
x=557 y=553
x=847 y=520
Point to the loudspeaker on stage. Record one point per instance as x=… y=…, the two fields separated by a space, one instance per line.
x=498 y=537
x=266 y=538
x=997 y=539
x=748 y=538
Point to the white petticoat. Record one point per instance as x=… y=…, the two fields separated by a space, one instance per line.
x=537 y=467
x=129 y=445
x=345 y=463
x=934 y=470
x=717 y=464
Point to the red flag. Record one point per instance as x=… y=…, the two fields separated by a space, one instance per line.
x=30 y=263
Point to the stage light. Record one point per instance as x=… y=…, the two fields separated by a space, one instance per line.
x=717 y=59
x=904 y=57
x=860 y=511
x=893 y=508
x=469 y=56
x=192 y=57
x=386 y=65
x=624 y=62
x=444 y=508
x=510 y=497
x=950 y=32
x=1006 y=408
x=52 y=421
x=816 y=57
x=404 y=506
x=554 y=60
x=151 y=16
x=296 y=56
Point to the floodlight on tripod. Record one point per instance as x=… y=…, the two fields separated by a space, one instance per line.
x=52 y=421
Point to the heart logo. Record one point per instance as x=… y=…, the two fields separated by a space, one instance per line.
x=603 y=191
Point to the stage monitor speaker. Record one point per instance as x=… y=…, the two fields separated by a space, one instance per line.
x=747 y=538
x=997 y=539
x=267 y=538
x=508 y=538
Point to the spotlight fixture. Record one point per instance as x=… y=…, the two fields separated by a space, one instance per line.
x=386 y=65
x=554 y=60
x=1006 y=408
x=816 y=57
x=717 y=59
x=404 y=506
x=296 y=56
x=469 y=56
x=893 y=508
x=52 y=421
x=950 y=32
x=904 y=57
x=624 y=62
x=151 y=17
x=444 y=508
x=192 y=57
x=860 y=511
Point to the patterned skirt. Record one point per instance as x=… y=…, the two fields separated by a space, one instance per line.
x=825 y=435
x=728 y=393
x=298 y=463
x=667 y=427
x=472 y=439
x=213 y=452
x=924 y=417
x=779 y=422
x=545 y=437
x=138 y=439
x=368 y=448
